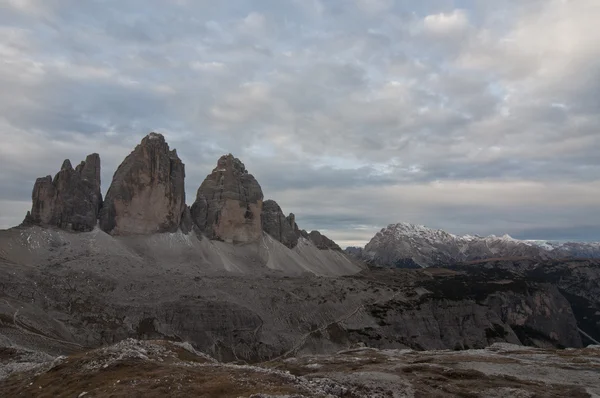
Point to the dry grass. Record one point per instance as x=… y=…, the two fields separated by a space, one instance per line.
x=138 y=378
x=439 y=272
x=169 y=370
x=340 y=366
x=458 y=358
x=438 y=381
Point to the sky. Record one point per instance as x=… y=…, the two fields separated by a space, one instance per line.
x=472 y=116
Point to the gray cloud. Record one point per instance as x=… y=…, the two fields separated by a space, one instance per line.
x=350 y=113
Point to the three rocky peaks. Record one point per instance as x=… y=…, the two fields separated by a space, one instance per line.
x=147 y=196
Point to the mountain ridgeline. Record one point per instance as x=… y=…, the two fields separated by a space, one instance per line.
x=239 y=280
x=147 y=196
x=405 y=245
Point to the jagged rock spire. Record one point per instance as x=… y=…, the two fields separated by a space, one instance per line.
x=147 y=193
x=72 y=200
x=276 y=224
x=228 y=204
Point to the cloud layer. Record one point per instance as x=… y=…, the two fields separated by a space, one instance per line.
x=466 y=115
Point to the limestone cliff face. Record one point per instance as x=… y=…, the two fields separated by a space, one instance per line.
x=285 y=230
x=322 y=242
x=229 y=203
x=71 y=200
x=276 y=224
x=147 y=194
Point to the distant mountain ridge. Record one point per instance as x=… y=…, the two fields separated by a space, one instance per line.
x=568 y=249
x=408 y=245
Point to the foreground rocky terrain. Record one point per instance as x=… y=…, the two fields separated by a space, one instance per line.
x=407 y=245
x=162 y=368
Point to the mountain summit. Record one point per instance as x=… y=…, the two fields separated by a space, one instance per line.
x=71 y=200
x=410 y=245
x=147 y=193
x=146 y=201
x=229 y=203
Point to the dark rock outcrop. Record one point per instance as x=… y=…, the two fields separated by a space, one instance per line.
x=72 y=200
x=286 y=231
x=229 y=203
x=147 y=194
x=187 y=224
x=322 y=242
x=578 y=280
x=280 y=227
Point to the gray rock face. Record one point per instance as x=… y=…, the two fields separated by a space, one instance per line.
x=72 y=200
x=578 y=280
x=407 y=246
x=228 y=204
x=354 y=251
x=569 y=249
x=92 y=289
x=286 y=231
x=322 y=242
x=187 y=224
x=276 y=224
x=147 y=194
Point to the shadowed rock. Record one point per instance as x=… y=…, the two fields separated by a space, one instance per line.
x=147 y=194
x=72 y=200
x=187 y=224
x=276 y=224
x=286 y=231
x=322 y=242
x=229 y=203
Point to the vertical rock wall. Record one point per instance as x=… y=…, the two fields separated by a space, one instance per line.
x=147 y=193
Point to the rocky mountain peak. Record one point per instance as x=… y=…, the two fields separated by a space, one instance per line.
x=71 y=200
x=153 y=136
x=323 y=242
x=280 y=227
x=285 y=230
x=229 y=203
x=405 y=244
x=232 y=163
x=66 y=165
x=90 y=171
x=147 y=196
x=147 y=193
x=408 y=229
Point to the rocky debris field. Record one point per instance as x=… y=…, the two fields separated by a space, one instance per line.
x=62 y=292
x=160 y=368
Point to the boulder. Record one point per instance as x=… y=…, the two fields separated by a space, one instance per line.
x=276 y=224
x=229 y=203
x=147 y=193
x=71 y=200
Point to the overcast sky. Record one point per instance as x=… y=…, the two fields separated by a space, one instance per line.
x=473 y=116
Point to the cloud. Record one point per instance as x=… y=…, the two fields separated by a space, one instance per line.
x=253 y=24
x=444 y=24
x=353 y=115
x=374 y=6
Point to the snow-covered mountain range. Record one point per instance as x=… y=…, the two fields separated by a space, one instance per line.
x=410 y=245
